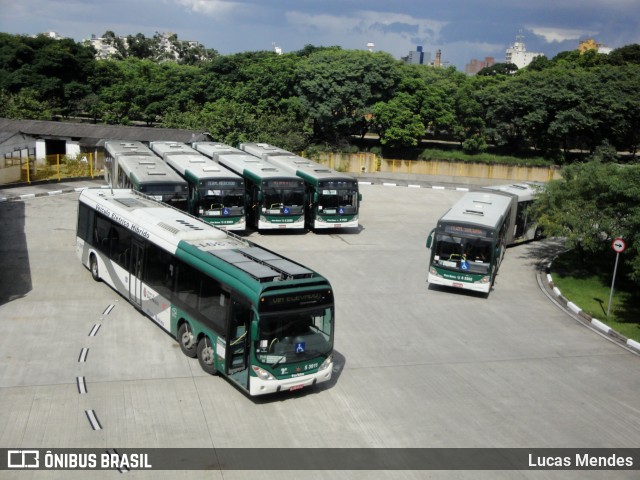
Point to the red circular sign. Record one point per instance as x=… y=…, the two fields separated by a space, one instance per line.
x=618 y=245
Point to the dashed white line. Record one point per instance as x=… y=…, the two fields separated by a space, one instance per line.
x=83 y=355
x=82 y=385
x=107 y=311
x=93 y=420
x=54 y=192
x=94 y=330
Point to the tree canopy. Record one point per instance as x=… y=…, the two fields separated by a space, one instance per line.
x=573 y=102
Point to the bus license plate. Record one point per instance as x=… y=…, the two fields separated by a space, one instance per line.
x=459 y=285
x=296 y=387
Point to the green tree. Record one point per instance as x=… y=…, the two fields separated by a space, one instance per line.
x=592 y=204
x=23 y=105
x=338 y=88
x=396 y=122
x=499 y=69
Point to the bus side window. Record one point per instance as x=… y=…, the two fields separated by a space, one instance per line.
x=159 y=270
x=84 y=222
x=213 y=304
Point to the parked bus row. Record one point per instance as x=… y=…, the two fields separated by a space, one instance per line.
x=258 y=185
x=332 y=198
x=216 y=194
x=470 y=239
x=252 y=315
x=133 y=165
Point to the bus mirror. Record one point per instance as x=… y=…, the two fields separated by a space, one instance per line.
x=430 y=238
x=315 y=197
x=359 y=197
x=259 y=196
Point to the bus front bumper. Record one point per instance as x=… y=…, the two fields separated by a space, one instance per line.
x=482 y=285
x=258 y=386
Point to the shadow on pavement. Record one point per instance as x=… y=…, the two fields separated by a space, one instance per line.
x=15 y=274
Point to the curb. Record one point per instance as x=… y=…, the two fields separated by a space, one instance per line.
x=28 y=196
x=588 y=319
x=410 y=185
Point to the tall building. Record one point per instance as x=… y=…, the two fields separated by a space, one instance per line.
x=518 y=55
x=418 y=57
x=474 y=66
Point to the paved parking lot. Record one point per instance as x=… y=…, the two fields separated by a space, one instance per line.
x=415 y=367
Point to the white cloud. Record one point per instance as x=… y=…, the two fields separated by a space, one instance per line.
x=552 y=35
x=391 y=32
x=208 y=7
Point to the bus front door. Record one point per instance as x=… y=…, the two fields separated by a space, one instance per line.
x=135 y=274
x=238 y=336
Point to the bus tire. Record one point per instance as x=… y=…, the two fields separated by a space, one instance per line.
x=93 y=267
x=187 y=341
x=206 y=357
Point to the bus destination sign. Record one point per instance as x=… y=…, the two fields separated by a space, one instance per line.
x=464 y=230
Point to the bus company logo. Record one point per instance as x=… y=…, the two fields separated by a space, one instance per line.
x=23 y=459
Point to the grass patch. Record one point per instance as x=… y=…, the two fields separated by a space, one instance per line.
x=586 y=281
x=489 y=158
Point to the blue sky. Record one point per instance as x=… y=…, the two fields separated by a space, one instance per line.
x=461 y=29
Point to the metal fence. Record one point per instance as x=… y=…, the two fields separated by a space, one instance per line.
x=58 y=167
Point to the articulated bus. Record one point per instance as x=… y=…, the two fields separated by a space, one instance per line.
x=252 y=315
x=276 y=197
x=332 y=197
x=133 y=165
x=525 y=228
x=216 y=194
x=470 y=240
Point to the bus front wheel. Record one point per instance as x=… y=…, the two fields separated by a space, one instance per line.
x=206 y=356
x=187 y=341
x=93 y=266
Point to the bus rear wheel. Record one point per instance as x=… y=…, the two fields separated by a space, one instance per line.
x=93 y=266
x=206 y=357
x=187 y=341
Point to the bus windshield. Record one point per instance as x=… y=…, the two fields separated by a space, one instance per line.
x=471 y=255
x=291 y=337
x=277 y=198
x=214 y=201
x=334 y=199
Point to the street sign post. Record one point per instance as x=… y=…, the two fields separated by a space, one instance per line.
x=618 y=246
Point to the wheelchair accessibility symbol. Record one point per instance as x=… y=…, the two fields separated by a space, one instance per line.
x=464 y=265
x=286 y=211
x=300 y=347
x=225 y=212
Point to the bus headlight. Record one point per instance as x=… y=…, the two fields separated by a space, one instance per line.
x=485 y=279
x=326 y=364
x=262 y=373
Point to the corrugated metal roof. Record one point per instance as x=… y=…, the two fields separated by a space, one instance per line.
x=95 y=135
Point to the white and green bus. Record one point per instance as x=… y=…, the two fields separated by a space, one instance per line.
x=275 y=197
x=332 y=197
x=133 y=165
x=470 y=239
x=256 y=317
x=526 y=228
x=216 y=194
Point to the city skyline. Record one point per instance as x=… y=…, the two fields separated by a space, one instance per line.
x=461 y=29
